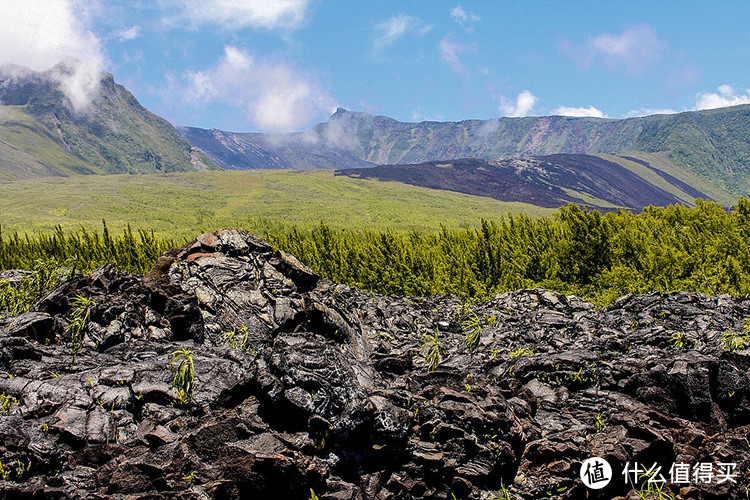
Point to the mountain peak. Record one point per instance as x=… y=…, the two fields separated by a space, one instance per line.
x=347 y=113
x=112 y=133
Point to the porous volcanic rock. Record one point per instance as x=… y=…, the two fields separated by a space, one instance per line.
x=302 y=384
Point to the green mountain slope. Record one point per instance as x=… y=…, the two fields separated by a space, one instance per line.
x=712 y=145
x=29 y=149
x=41 y=136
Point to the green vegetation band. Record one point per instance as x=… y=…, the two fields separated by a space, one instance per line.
x=598 y=257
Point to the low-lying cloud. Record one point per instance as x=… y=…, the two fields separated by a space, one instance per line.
x=633 y=113
x=521 y=106
x=41 y=36
x=724 y=97
x=273 y=96
x=581 y=112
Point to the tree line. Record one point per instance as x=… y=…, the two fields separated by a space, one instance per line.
x=578 y=251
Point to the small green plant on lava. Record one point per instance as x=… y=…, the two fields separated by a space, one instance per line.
x=236 y=339
x=184 y=379
x=472 y=331
x=432 y=356
x=79 y=321
x=737 y=341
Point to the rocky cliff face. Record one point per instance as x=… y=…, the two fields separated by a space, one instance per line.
x=353 y=395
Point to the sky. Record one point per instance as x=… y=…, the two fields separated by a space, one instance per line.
x=285 y=65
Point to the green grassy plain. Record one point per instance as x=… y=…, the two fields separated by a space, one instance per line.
x=181 y=205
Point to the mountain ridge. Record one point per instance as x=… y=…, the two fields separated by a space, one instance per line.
x=693 y=154
x=710 y=144
x=41 y=136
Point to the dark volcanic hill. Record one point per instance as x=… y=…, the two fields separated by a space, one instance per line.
x=306 y=389
x=712 y=144
x=41 y=136
x=545 y=181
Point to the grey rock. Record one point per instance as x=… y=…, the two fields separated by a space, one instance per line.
x=38 y=326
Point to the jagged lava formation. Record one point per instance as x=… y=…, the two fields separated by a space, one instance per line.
x=331 y=392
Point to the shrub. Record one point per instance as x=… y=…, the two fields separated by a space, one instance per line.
x=17 y=298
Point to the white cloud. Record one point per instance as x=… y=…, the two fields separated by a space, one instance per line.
x=237 y=14
x=590 y=111
x=126 y=34
x=726 y=96
x=635 y=49
x=41 y=35
x=397 y=27
x=463 y=17
x=274 y=96
x=649 y=111
x=450 y=50
x=522 y=106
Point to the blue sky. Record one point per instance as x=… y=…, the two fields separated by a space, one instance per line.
x=248 y=65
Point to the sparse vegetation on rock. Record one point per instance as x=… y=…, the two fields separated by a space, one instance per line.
x=184 y=379
x=329 y=404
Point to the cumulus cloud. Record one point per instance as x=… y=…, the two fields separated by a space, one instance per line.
x=522 y=105
x=450 y=51
x=633 y=113
x=464 y=18
x=397 y=27
x=41 y=35
x=274 y=96
x=126 y=34
x=635 y=49
x=590 y=112
x=237 y=14
x=724 y=97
